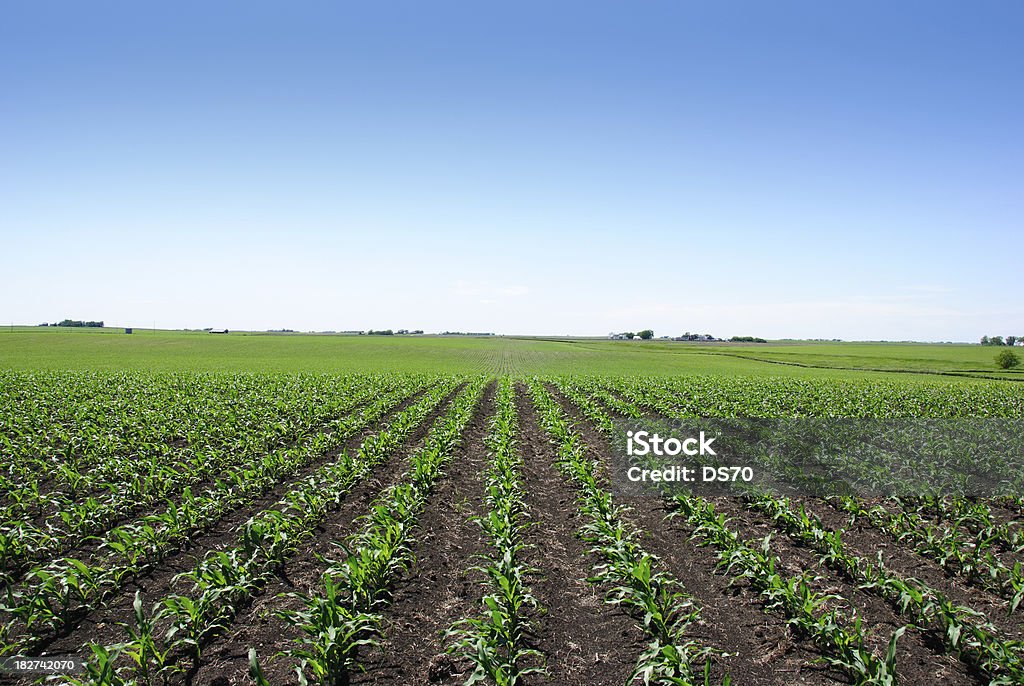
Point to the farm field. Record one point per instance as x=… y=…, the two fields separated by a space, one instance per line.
x=948 y=359
x=401 y=527
x=32 y=348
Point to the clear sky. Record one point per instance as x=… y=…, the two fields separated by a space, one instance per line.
x=781 y=169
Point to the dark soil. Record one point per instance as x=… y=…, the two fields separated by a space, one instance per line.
x=760 y=648
x=440 y=588
x=585 y=640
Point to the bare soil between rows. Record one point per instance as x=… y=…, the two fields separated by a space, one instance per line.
x=440 y=587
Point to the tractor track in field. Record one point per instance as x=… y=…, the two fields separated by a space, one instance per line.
x=103 y=625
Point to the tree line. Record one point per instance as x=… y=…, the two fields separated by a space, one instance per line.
x=999 y=340
x=75 y=322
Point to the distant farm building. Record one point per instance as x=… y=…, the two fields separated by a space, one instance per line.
x=218 y=330
x=128 y=329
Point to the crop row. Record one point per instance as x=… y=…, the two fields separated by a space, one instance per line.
x=665 y=611
x=125 y=427
x=841 y=638
x=224 y=579
x=496 y=642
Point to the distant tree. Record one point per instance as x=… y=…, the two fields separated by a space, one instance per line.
x=628 y=334
x=1007 y=359
x=985 y=340
x=646 y=334
x=996 y=340
x=1011 y=340
x=79 y=323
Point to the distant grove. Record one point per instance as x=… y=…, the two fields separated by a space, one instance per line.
x=999 y=340
x=75 y=322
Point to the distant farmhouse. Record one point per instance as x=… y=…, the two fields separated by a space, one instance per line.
x=644 y=335
x=702 y=337
x=218 y=330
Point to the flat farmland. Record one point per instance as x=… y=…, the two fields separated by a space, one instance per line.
x=35 y=348
x=399 y=527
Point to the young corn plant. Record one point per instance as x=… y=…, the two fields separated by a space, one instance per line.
x=332 y=635
x=255 y=670
x=150 y=658
x=100 y=668
x=496 y=643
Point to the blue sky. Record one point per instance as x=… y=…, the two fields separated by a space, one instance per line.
x=783 y=169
